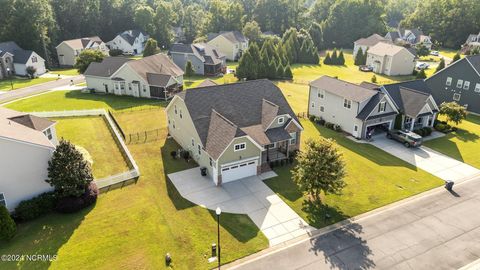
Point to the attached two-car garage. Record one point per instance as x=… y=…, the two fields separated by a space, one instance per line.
x=239 y=170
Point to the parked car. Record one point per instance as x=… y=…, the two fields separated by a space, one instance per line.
x=434 y=53
x=365 y=68
x=408 y=138
x=422 y=65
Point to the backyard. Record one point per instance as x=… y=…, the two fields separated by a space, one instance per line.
x=463 y=144
x=6 y=84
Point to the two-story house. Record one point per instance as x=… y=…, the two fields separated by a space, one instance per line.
x=390 y=59
x=366 y=43
x=232 y=44
x=234 y=130
x=129 y=41
x=459 y=82
x=15 y=60
x=206 y=60
x=413 y=37
x=68 y=50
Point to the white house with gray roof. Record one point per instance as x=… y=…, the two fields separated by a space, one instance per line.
x=68 y=50
x=129 y=41
x=155 y=76
x=206 y=60
x=389 y=59
x=234 y=130
x=15 y=60
x=27 y=143
x=413 y=37
x=231 y=43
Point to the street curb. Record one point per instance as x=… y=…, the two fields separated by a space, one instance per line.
x=322 y=231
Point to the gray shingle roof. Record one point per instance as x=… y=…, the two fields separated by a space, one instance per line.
x=221 y=132
x=131 y=35
x=475 y=61
x=241 y=104
x=371 y=40
x=155 y=64
x=158 y=79
x=344 y=89
x=206 y=53
x=371 y=105
x=233 y=36
x=410 y=96
x=107 y=67
x=206 y=83
x=20 y=55
x=32 y=121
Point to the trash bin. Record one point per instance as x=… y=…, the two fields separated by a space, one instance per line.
x=449 y=185
x=203 y=171
x=214 y=250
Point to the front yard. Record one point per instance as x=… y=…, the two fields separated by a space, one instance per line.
x=374 y=179
x=463 y=144
x=6 y=84
x=65 y=71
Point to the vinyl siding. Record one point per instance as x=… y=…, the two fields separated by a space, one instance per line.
x=180 y=60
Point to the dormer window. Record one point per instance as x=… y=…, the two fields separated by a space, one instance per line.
x=281 y=120
x=382 y=106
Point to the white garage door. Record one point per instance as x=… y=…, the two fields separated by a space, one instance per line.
x=239 y=170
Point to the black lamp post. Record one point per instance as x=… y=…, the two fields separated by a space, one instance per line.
x=218 y=211
x=10 y=76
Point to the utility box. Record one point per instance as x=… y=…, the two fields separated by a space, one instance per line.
x=214 y=250
x=449 y=185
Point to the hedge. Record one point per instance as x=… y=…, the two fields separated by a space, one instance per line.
x=35 y=207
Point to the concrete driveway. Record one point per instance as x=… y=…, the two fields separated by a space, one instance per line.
x=438 y=164
x=278 y=222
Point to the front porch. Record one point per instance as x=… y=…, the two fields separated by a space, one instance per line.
x=418 y=122
x=212 y=70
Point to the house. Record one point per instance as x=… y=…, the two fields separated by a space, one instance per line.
x=390 y=59
x=413 y=37
x=232 y=44
x=459 y=82
x=473 y=41
x=366 y=43
x=68 y=50
x=15 y=60
x=155 y=76
x=205 y=59
x=367 y=108
x=130 y=42
x=234 y=130
x=27 y=143
x=207 y=82
x=178 y=34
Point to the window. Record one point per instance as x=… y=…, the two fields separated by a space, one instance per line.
x=382 y=106
x=419 y=120
x=466 y=85
x=3 y=201
x=34 y=59
x=173 y=124
x=293 y=139
x=322 y=109
x=181 y=116
x=199 y=149
x=321 y=94
x=122 y=85
x=239 y=147
x=449 y=81
x=456 y=97
x=313 y=104
x=459 y=83
x=48 y=133
x=408 y=119
x=347 y=103
x=130 y=86
x=281 y=120
x=175 y=109
x=193 y=142
x=477 y=87
x=211 y=162
x=355 y=128
x=144 y=88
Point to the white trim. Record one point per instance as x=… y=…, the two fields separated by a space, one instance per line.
x=276 y=117
x=171 y=102
x=239 y=147
x=239 y=161
x=230 y=144
x=52 y=148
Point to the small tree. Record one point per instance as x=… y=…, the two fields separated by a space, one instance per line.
x=252 y=31
x=320 y=168
x=288 y=72
x=334 y=60
x=358 y=57
x=341 y=59
x=374 y=79
x=31 y=70
x=423 y=51
x=7 y=225
x=151 y=47
x=189 y=71
x=421 y=74
x=86 y=57
x=327 y=60
x=440 y=66
x=68 y=172
x=456 y=57
x=454 y=112
x=115 y=52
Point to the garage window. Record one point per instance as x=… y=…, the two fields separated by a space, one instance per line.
x=239 y=147
x=3 y=201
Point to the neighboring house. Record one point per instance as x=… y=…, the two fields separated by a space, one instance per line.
x=205 y=59
x=130 y=42
x=207 y=82
x=68 y=50
x=27 y=143
x=232 y=44
x=178 y=34
x=459 y=82
x=366 y=43
x=413 y=37
x=17 y=60
x=154 y=76
x=361 y=109
x=473 y=41
x=390 y=59
x=234 y=130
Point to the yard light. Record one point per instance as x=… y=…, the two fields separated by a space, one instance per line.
x=10 y=76
x=218 y=211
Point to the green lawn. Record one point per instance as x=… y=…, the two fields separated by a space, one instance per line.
x=65 y=71
x=193 y=81
x=76 y=100
x=450 y=53
x=5 y=84
x=151 y=119
x=374 y=179
x=92 y=134
x=463 y=145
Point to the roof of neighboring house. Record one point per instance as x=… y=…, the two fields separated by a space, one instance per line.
x=107 y=67
x=20 y=55
x=475 y=61
x=383 y=48
x=81 y=43
x=344 y=89
x=471 y=37
x=233 y=36
x=223 y=112
x=206 y=53
x=207 y=82
x=410 y=96
x=371 y=40
x=155 y=68
x=393 y=35
x=23 y=127
x=131 y=35
x=369 y=85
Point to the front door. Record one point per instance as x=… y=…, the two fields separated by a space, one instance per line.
x=106 y=88
x=355 y=131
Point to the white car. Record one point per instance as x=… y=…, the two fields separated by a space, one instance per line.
x=434 y=53
x=422 y=66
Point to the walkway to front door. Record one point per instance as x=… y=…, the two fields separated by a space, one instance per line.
x=278 y=222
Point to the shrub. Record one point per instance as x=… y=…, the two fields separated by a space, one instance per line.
x=419 y=132
x=73 y=204
x=272 y=164
x=186 y=155
x=7 y=225
x=115 y=52
x=321 y=122
x=35 y=207
x=312 y=118
x=427 y=131
x=337 y=128
x=90 y=195
x=328 y=125
x=374 y=79
x=440 y=127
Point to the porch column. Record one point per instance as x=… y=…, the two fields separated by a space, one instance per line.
x=412 y=123
x=288 y=145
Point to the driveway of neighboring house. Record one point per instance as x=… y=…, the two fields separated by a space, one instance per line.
x=278 y=222
x=427 y=159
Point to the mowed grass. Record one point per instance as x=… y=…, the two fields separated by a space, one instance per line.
x=93 y=134
x=194 y=81
x=6 y=85
x=141 y=120
x=65 y=71
x=463 y=144
x=76 y=100
x=374 y=179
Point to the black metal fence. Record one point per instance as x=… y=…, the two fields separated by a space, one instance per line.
x=145 y=136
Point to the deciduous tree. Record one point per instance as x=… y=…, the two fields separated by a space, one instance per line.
x=86 y=57
x=454 y=112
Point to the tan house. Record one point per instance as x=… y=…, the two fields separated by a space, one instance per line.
x=232 y=44
x=366 y=43
x=154 y=76
x=68 y=50
x=390 y=59
x=234 y=130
